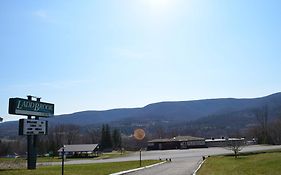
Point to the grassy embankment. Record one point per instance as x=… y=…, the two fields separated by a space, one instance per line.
x=83 y=169
x=20 y=162
x=247 y=164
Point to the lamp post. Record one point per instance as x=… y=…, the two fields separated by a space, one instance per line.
x=140 y=157
x=62 y=161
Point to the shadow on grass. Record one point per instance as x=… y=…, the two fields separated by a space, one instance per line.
x=239 y=157
x=246 y=154
x=3 y=170
x=260 y=152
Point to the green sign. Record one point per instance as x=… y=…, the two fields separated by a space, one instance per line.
x=21 y=106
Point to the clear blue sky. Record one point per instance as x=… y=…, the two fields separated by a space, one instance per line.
x=96 y=55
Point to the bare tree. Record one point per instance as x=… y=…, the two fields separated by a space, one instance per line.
x=62 y=134
x=262 y=119
x=116 y=139
x=160 y=132
x=235 y=145
x=92 y=135
x=275 y=131
x=71 y=133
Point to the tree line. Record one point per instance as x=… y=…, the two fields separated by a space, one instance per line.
x=65 y=135
x=266 y=131
x=263 y=129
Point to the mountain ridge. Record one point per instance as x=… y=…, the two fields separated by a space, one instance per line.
x=173 y=111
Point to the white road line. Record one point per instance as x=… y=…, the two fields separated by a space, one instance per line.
x=137 y=169
x=198 y=167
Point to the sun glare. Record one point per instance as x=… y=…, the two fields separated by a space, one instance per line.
x=158 y=5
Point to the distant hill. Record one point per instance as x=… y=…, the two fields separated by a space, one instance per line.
x=225 y=111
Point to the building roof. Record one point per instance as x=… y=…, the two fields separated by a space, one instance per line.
x=177 y=139
x=79 y=148
x=223 y=140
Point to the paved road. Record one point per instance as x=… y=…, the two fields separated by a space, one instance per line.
x=184 y=162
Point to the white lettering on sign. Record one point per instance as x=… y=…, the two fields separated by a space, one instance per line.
x=20 y=106
x=34 y=105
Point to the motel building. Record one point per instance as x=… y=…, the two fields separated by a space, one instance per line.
x=224 y=142
x=186 y=142
x=179 y=142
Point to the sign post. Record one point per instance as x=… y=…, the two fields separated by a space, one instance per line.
x=31 y=146
x=139 y=134
x=32 y=127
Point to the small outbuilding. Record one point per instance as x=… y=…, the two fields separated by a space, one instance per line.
x=80 y=150
x=179 y=142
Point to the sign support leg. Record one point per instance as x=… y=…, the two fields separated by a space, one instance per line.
x=29 y=152
x=31 y=146
x=35 y=139
x=35 y=142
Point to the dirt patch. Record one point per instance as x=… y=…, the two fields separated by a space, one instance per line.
x=12 y=165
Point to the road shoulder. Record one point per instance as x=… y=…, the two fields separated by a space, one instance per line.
x=137 y=169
